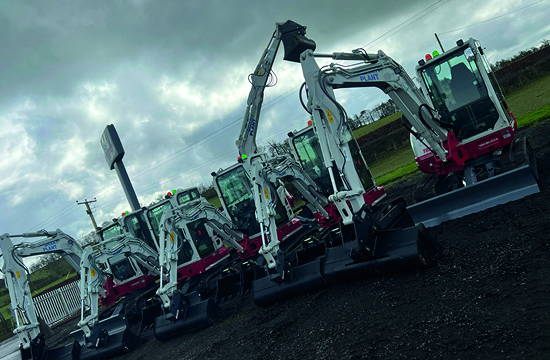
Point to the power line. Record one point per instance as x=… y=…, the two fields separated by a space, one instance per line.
x=511 y=25
x=273 y=102
x=409 y=19
x=54 y=215
x=491 y=19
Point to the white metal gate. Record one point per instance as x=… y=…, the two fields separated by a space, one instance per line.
x=57 y=305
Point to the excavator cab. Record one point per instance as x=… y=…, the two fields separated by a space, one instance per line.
x=454 y=82
x=490 y=166
x=235 y=192
x=119 y=265
x=307 y=151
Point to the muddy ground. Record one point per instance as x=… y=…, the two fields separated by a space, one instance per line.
x=488 y=298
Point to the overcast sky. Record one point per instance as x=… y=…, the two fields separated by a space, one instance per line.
x=168 y=74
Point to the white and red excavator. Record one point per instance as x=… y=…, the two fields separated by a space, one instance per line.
x=366 y=242
x=462 y=130
x=193 y=254
x=96 y=339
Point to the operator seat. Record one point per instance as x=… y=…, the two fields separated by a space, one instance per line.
x=462 y=85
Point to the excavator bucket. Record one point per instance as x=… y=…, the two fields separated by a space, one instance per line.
x=395 y=251
x=294 y=40
x=115 y=338
x=196 y=315
x=302 y=279
x=512 y=185
x=68 y=352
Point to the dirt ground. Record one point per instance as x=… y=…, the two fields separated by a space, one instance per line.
x=488 y=298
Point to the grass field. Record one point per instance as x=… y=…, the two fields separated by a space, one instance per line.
x=215 y=201
x=375 y=125
x=530 y=105
x=530 y=98
x=402 y=157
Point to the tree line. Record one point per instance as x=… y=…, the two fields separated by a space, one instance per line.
x=520 y=55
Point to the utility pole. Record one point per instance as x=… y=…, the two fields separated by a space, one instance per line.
x=88 y=211
x=441 y=46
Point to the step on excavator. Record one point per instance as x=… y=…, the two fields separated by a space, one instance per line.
x=96 y=339
x=359 y=237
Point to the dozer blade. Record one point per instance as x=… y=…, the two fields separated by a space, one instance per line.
x=115 y=339
x=512 y=185
x=396 y=251
x=196 y=316
x=303 y=279
x=37 y=350
x=67 y=352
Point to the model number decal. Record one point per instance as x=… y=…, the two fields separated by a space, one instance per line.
x=369 y=77
x=52 y=245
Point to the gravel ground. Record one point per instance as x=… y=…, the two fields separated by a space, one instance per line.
x=488 y=298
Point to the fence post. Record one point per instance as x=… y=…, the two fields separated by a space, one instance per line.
x=63 y=302
x=4 y=323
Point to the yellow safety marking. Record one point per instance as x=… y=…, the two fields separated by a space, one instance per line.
x=92 y=272
x=171 y=237
x=330 y=118
x=266 y=195
x=260 y=73
x=18 y=274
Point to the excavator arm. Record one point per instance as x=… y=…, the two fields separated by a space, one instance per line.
x=265 y=196
x=17 y=276
x=330 y=119
x=92 y=278
x=174 y=229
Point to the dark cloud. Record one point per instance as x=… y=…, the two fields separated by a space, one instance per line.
x=82 y=65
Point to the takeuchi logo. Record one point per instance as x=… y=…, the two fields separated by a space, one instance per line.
x=488 y=142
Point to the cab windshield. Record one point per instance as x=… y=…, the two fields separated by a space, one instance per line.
x=110 y=232
x=311 y=158
x=236 y=192
x=188 y=195
x=137 y=227
x=459 y=94
x=155 y=214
